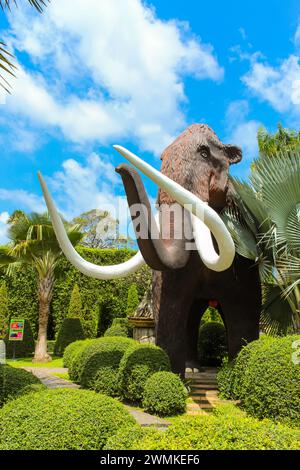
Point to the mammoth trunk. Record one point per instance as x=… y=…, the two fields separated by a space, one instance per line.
x=45 y=293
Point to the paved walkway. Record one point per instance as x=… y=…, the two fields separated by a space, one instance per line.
x=44 y=374
x=204 y=391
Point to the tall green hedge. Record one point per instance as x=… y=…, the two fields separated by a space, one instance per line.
x=23 y=300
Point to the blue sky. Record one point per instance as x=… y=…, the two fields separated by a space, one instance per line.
x=137 y=73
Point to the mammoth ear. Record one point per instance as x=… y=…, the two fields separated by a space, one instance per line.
x=234 y=153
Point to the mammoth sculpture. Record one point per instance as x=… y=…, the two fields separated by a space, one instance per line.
x=194 y=261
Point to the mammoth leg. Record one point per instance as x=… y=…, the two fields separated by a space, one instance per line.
x=241 y=313
x=194 y=319
x=171 y=306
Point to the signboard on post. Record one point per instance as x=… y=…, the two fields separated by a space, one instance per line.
x=16 y=330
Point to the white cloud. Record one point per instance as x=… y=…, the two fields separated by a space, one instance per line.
x=240 y=130
x=125 y=63
x=297 y=37
x=23 y=199
x=279 y=86
x=4 y=216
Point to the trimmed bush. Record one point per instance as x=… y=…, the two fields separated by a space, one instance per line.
x=61 y=419
x=70 y=331
x=119 y=327
x=224 y=429
x=77 y=359
x=164 y=394
x=4 y=310
x=23 y=348
x=132 y=299
x=70 y=351
x=266 y=381
x=75 y=305
x=100 y=364
x=137 y=365
x=14 y=382
x=212 y=344
x=225 y=379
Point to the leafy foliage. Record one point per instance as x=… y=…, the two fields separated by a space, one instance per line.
x=164 y=394
x=212 y=344
x=139 y=362
x=132 y=299
x=13 y=382
x=70 y=331
x=100 y=364
x=270 y=144
x=226 y=428
x=75 y=306
x=4 y=310
x=119 y=327
x=61 y=419
x=265 y=379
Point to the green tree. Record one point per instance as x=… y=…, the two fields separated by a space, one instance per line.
x=4 y=310
x=132 y=299
x=75 y=306
x=6 y=64
x=101 y=230
x=33 y=242
x=265 y=226
x=284 y=140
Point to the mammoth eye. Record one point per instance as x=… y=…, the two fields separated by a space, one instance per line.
x=203 y=151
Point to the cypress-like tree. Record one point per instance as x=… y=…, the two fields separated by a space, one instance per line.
x=4 y=311
x=132 y=299
x=75 y=306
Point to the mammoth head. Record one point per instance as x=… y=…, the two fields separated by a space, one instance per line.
x=194 y=174
x=199 y=161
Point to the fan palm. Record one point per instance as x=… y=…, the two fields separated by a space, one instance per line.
x=33 y=242
x=265 y=226
x=6 y=64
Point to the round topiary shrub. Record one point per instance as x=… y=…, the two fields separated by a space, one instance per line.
x=137 y=365
x=77 y=358
x=13 y=382
x=164 y=394
x=23 y=348
x=100 y=364
x=223 y=432
x=61 y=419
x=212 y=344
x=70 y=351
x=116 y=330
x=269 y=386
x=71 y=330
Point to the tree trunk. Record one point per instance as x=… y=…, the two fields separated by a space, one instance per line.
x=45 y=292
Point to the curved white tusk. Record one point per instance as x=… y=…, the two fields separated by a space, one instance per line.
x=200 y=209
x=87 y=268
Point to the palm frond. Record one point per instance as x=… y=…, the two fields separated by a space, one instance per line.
x=37 y=4
x=277 y=315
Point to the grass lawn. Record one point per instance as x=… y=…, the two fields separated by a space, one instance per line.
x=63 y=375
x=27 y=362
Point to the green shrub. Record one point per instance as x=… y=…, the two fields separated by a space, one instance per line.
x=70 y=331
x=61 y=419
x=212 y=345
x=75 y=305
x=119 y=327
x=4 y=310
x=224 y=429
x=14 y=381
x=70 y=351
x=137 y=365
x=100 y=364
x=50 y=346
x=77 y=359
x=23 y=348
x=164 y=394
x=211 y=314
x=132 y=299
x=266 y=381
x=225 y=379
x=127 y=438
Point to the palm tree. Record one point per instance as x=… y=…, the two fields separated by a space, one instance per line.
x=33 y=242
x=265 y=224
x=6 y=64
